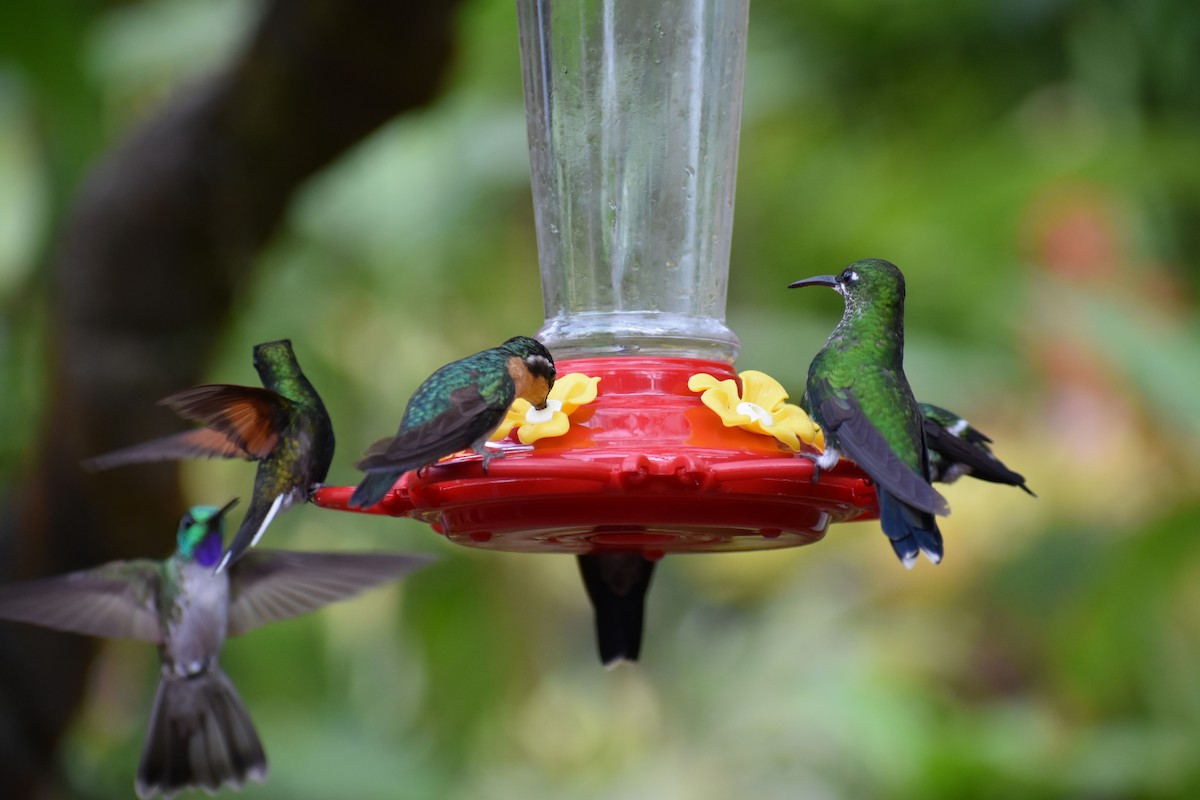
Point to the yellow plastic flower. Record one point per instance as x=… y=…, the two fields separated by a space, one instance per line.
x=569 y=393
x=760 y=408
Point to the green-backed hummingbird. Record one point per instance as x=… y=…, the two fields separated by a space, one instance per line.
x=284 y=426
x=616 y=584
x=457 y=407
x=956 y=449
x=858 y=394
x=200 y=734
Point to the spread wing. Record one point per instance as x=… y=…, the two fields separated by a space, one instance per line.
x=115 y=601
x=273 y=585
x=251 y=418
x=841 y=415
x=198 y=443
x=469 y=417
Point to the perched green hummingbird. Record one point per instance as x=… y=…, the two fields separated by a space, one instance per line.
x=284 y=426
x=956 y=449
x=616 y=584
x=200 y=733
x=858 y=394
x=457 y=407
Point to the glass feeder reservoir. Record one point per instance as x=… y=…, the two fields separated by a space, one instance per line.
x=651 y=443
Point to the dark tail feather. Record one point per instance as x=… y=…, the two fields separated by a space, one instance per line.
x=262 y=512
x=616 y=584
x=910 y=531
x=372 y=489
x=200 y=736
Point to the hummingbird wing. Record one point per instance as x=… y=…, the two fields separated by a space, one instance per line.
x=273 y=585
x=971 y=450
x=250 y=417
x=198 y=443
x=243 y=422
x=117 y=600
x=841 y=415
x=469 y=417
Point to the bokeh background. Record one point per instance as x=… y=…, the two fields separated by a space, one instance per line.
x=1033 y=167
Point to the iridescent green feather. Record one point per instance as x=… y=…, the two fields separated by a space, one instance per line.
x=486 y=371
x=864 y=358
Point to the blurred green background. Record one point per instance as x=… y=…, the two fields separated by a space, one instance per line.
x=1033 y=167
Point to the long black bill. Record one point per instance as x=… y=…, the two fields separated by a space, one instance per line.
x=819 y=280
x=216 y=518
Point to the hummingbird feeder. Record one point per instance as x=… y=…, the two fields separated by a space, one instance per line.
x=648 y=445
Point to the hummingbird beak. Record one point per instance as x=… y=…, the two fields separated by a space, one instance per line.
x=819 y=280
x=224 y=510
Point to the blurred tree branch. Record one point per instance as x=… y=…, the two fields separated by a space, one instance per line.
x=159 y=239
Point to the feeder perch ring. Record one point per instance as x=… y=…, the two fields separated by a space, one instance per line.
x=646 y=467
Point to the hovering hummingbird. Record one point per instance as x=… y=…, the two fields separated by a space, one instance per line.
x=616 y=584
x=284 y=426
x=957 y=449
x=200 y=733
x=858 y=394
x=457 y=407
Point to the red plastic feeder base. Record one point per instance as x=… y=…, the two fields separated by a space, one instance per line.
x=645 y=468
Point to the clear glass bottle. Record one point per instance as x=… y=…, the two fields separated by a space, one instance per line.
x=634 y=110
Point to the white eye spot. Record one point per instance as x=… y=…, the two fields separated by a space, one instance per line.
x=853 y=277
x=756 y=412
x=535 y=416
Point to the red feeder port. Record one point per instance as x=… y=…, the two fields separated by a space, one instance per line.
x=646 y=467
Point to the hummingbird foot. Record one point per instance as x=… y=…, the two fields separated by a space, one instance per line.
x=488 y=454
x=822 y=461
x=816 y=462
